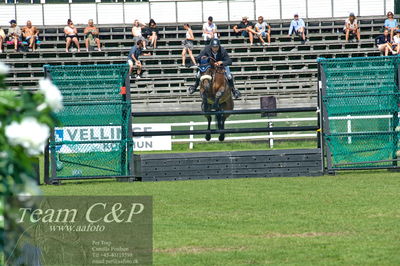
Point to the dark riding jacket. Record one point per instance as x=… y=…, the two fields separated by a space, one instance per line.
x=222 y=55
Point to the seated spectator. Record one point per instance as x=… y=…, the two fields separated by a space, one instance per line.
x=261 y=30
x=298 y=27
x=151 y=33
x=92 y=36
x=383 y=43
x=71 y=35
x=244 y=28
x=396 y=43
x=14 y=34
x=137 y=32
x=133 y=59
x=209 y=30
x=391 y=24
x=2 y=39
x=188 y=45
x=351 y=26
x=30 y=35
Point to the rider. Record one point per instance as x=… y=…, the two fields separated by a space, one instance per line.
x=221 y=57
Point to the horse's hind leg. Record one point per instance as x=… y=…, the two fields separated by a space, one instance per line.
x=208 y=135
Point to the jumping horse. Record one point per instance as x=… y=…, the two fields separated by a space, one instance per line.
x=215 y=93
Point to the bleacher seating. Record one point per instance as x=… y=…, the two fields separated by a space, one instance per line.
x=286 y=69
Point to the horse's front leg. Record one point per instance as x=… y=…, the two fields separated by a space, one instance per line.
x=205 y=107
x=208 y=135
x=221 y=126
x=204 y=103
x=218 y=96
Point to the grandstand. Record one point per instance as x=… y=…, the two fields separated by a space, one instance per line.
x=286 y=69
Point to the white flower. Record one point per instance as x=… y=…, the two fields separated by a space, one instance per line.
x=30 y=134
x=52 y=94
x=3 y=69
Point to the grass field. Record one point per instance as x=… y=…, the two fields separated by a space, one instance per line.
x=351 y=218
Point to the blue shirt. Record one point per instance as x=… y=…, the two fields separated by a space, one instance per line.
x=296 y=25
x=136 y=51
x=391 y=23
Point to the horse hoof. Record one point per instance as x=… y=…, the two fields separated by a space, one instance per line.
x=221 y=137
x=208 y=137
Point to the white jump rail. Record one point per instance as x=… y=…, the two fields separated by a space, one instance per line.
x=268 y=136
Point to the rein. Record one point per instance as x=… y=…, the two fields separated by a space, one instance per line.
x=219 y=69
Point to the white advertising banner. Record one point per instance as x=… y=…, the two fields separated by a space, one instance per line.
x=108 y=134
x=157 y=143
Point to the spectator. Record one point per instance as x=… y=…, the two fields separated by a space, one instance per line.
x=396 y=43
x=137 y=32
x=383 y=43
x=2 y=39
x=351 y=26
x=244 y=28
x=188 y=45
x=30 y=34
x=71 y=35
x=209 y=30
x=133 y=58
x=391 y=24
x=298 y=27
x=91 y=36
x=151 y=33
x=261 y=30
x=14 y=34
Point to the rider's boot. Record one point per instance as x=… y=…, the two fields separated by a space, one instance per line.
x=192 y=89
x=236 y=93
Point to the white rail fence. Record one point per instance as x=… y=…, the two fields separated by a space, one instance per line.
x=270 y=137
x=349 y=118
x=179 y=11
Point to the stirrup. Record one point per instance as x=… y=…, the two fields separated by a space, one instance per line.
x=236 y=93
x=192 y=89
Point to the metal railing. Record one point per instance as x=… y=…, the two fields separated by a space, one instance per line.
x=178 y=11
